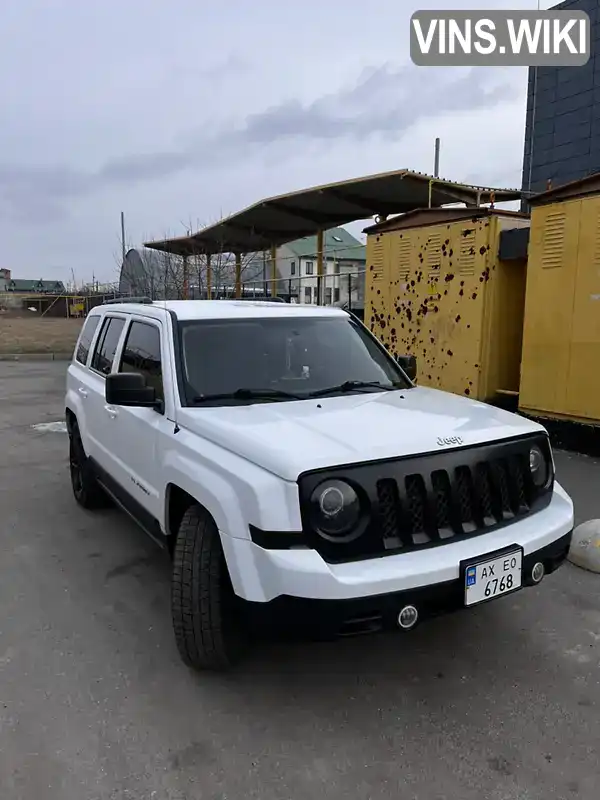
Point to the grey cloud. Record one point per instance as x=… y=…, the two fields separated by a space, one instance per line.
x=146 y=167
x=384 y=102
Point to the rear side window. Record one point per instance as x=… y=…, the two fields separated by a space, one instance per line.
x=142 y=354
x=106 y=345
x=85 y=340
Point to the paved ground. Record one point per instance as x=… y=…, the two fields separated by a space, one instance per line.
x=499 y=704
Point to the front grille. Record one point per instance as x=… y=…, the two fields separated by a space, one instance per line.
x=432 y=499
x=432 y=507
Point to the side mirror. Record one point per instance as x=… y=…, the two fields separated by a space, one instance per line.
x=129 y=389
x=409 y=365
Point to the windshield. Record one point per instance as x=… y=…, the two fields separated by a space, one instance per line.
x=283 y=357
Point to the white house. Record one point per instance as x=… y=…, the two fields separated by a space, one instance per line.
x=344 y=261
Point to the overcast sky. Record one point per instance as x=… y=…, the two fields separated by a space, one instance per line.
x=180 y=111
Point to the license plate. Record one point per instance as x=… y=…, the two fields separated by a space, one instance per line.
x=493 y=576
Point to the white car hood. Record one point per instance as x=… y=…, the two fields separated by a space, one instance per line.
x=288 y=438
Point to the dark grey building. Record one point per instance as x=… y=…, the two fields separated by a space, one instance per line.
x=562 y=133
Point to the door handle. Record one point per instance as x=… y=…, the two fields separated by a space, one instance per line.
x=112 y=412
x=82 y=392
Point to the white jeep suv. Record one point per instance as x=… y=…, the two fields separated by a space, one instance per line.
x=295 y=472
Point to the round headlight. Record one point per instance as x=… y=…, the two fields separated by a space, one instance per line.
x=538 y=466
x=335 y=510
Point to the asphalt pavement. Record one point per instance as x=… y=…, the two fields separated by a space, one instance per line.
x=498 y=703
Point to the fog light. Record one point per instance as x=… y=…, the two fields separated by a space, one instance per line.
x=538 y=572
x=408 y=617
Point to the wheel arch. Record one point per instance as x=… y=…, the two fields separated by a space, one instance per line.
x=71 y=419
x=177 y=502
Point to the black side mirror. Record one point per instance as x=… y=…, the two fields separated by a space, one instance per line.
x=409 y=365
x=129 y=389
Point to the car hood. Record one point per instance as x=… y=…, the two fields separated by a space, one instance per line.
x=288 y=438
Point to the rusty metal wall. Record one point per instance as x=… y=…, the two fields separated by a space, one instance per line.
x=439 y=292
x=561 y=340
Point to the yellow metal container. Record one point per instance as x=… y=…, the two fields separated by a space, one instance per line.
x=436 y=289
x=560 y=374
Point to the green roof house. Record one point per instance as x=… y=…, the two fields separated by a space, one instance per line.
x=344 y=264
x=24 y=286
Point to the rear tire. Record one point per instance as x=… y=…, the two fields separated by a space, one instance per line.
x=208 y=618
x=87 y=491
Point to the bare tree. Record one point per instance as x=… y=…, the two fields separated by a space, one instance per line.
x=222 y=264
x=161 y=275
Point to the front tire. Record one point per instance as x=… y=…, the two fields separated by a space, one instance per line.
x=87 y=491
x=208 y=618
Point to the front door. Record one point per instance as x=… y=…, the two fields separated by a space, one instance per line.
x=137 y=431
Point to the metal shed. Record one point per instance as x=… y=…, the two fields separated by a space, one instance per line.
x=561 y=338
x=437 y=289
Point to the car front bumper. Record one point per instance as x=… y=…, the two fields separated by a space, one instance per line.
x=260 y=575
x=332 y=618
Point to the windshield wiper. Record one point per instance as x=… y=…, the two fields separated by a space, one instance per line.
x=349 y=386
x=248 y=394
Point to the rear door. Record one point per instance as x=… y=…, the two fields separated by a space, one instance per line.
x=100 y=418
x=77 y=391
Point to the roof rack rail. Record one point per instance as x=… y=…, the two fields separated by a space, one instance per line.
x=263 y=298
x=143 y=300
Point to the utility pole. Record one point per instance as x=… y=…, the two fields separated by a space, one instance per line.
x=436 y=162
x=123 y=236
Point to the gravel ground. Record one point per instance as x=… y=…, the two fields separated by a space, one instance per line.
x=501 y=703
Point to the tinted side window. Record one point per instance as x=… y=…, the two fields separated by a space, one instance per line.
x=85 y=340
x=142 y=354
x=106 y=346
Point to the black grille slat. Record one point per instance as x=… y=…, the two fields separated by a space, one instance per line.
x=446 y=510
x=483 y=495
x=415 y=505
x=510 y=504
x=390 y=513
x=465 y=493
x=523 y=480
x=501 y=499
x=430 y=507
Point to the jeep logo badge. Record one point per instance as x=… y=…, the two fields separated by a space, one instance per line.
x=442 y=442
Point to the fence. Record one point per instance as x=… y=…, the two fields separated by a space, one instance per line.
x=345 y=288
x=333 y=288
x=52 y=305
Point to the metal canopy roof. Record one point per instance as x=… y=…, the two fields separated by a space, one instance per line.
x=281 y=219
x=581 y=187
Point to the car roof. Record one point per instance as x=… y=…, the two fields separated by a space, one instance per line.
x=223 y=309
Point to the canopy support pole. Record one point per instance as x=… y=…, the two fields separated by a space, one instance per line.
x=238 y=274
x=319 y=267
x=208 y=277
x=185 y=278
x=273 y=270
